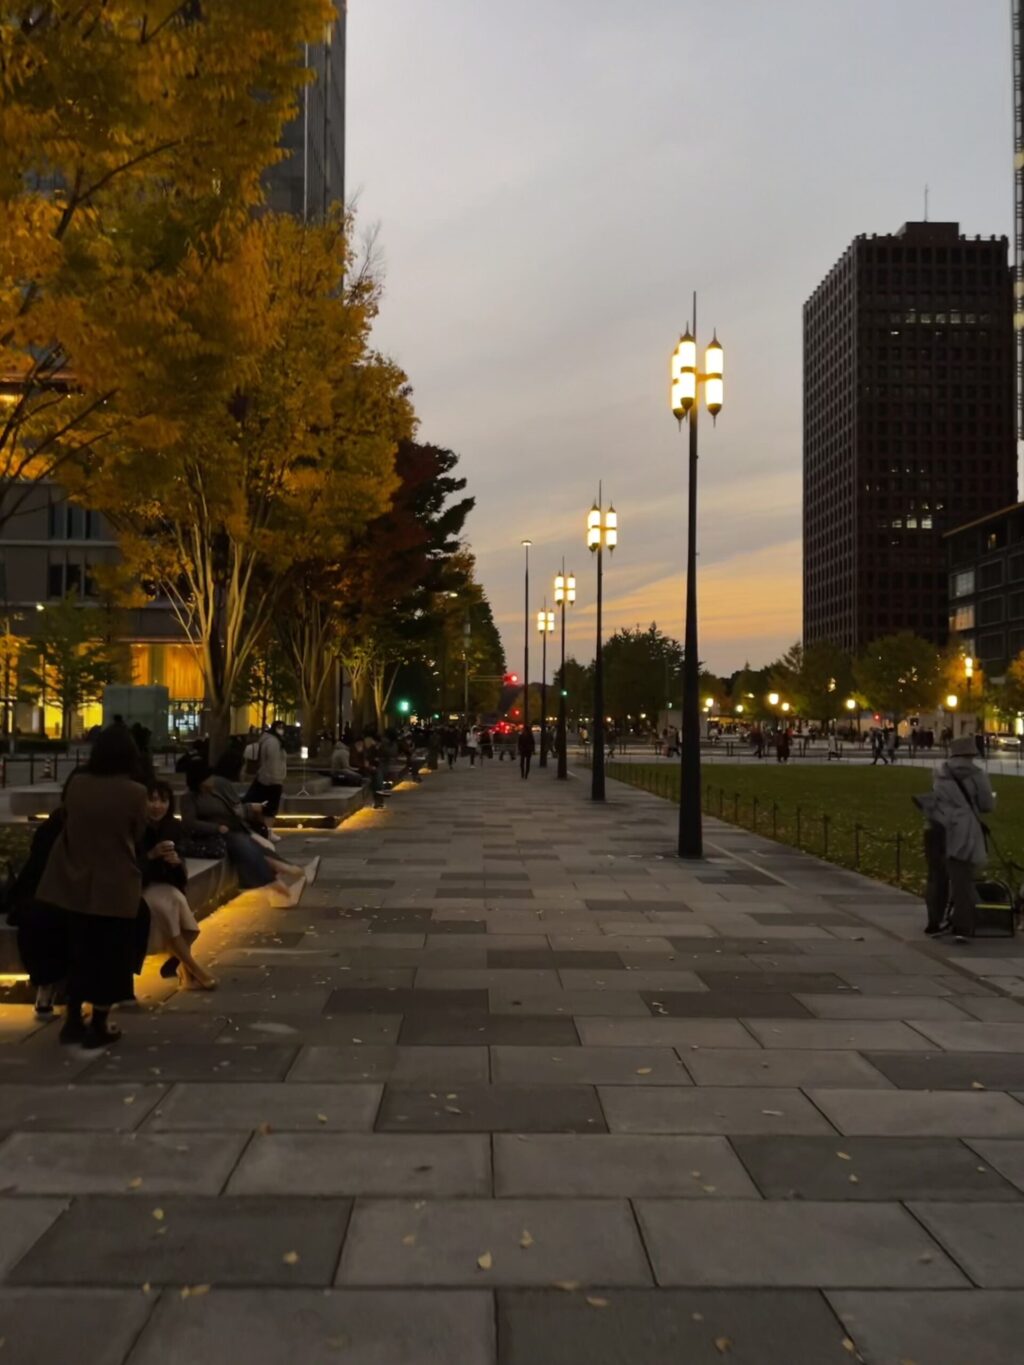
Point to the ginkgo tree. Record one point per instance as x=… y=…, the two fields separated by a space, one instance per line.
x=289 y=453
x=133 y=135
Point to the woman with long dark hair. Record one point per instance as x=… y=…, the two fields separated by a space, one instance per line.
x=93 y=874
x=172 y=927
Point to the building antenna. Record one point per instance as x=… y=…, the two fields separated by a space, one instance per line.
x=926 y=203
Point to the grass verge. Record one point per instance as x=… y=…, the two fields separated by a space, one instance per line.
x=857 y=817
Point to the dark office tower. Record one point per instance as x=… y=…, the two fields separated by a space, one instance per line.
x=1018 y=181
x=312 y=176
x=908 y=425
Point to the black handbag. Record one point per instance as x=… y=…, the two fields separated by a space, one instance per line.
x=210 y=846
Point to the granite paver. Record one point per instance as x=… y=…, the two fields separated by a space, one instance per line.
x=514 y=1085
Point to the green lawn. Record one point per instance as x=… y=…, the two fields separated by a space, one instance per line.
x=849 y=815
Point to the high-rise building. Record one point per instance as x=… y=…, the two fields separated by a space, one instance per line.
x=1018 y=183
x=311 y=178
x=909 y=426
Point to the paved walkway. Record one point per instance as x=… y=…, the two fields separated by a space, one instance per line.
x=512 y=1084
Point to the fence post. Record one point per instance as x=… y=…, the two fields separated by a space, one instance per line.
x=798 y=826
x=753 y=814
x=721 y=803
x=856 y=846
x=899 y=853
x=824 y=834
x=775 y=820
x=735 y=808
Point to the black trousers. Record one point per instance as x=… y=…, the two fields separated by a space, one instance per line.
x=524 y=765
x=948 y=877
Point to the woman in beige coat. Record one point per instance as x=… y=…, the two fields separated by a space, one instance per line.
x=92 y=872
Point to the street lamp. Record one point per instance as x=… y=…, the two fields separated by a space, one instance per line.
x=565 y=596
x=545 y=624
x=526 y=635
x=686 y=381
x=602 y=534
x=773 y=698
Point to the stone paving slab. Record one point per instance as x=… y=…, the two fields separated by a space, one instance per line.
x=262 y=1241
x=791 y=1244
x=37 y=1326
x=985 y=1240
x=974 y=1037
x=329 y=1108
x=316 y=1030
x=524 y=1242
x=668 y=1327
x=617 y=1166
x=710 y=1109
x=479 y=1028
x=444 y=1066
x=871 y=1168
x=588 y=1066
x=920 y=1113
x=373 y=1327
x=880 y=1007
x=830 y=1034
x=678 y=1033
x=115 y=1108
x=601 y=1003
x=111 y=1163
x=1004 y=1155
x=778 y=1067
x=22 y=1223
x=165 y=1062
x=492 y=1109
x=950 y=1070
x=358 y=1164
x=895 y=1328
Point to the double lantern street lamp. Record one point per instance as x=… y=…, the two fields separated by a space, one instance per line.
x=602 y=534
x=526 y=637
x=686 y=384
x=545 y=624
x=565 y=596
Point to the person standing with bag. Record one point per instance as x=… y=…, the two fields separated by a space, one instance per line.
x=955 y=845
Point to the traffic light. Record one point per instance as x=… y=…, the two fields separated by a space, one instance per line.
x=511 y=679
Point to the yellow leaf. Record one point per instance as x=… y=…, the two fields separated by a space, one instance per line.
x=290 y=1258
x=596 y=1302
x=409 y=1240
x=568 y=1286
x=264 y=1129
x=844 y=1156
x=158 y=1214
x=644 y=1070
x=526 y=1240
x=135 y=1183
x=195 y=1291
x=723 y=1345
x=485 y=1260
x=321 y=1118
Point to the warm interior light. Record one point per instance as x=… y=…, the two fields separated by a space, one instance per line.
x=969 y=667
x=851 y=705
x=785 y=706
x=952 y=701
x=773 y=698
x=739 y=709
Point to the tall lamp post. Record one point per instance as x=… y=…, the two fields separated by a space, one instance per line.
x=545 y=624
x=602 y=534
x=687 y=381
x=526 y=635
x=565 y=596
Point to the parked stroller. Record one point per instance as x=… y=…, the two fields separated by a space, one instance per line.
x=1000 y=898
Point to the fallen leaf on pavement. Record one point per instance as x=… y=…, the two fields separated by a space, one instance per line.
x=135 y=1183
x=697 y=1317
x=977 y=1085
x=723 y=1345
x=158 y=1214
x=773 y=1113
x=409 y=1240
x=844 y=1156
x=321 y=1118
x=526 y=1240
x=644 y=1070
x=147 y=1288
x=854 y=1179
x=264 y=1129
x=596 y=1302
x=195 y=1291
x=567 y=1286
x=485 y=1261
x=290 y=1258
x=129 y=1099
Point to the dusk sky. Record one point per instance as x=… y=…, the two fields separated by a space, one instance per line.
x=552 y=179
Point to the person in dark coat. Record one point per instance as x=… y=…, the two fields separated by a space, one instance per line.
x=526 y=746
x=93 y=874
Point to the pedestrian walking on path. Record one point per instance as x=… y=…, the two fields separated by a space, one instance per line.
x=92 y=873
x=526 y=747
x=955 y=838
x=269 y=761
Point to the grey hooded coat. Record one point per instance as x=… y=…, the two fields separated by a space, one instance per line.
x=958 y=806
